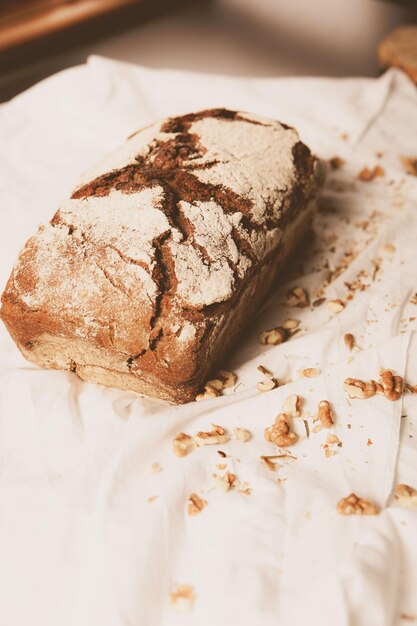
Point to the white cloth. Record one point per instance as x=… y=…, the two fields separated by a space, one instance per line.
x=80 y=544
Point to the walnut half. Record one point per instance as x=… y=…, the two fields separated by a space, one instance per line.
x=356 y=388
x=405 y=496
x=195 y=504
x=297 y=297
x=392 y=385
x=352 y=505
x=325 y=414
x=280 y=432
x=182 y=444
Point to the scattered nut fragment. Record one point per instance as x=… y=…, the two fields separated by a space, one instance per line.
x=155 y=468
x=366 y=175
x=410 y=164
x=214 y=383
x=280 y=432
x=215 y=386
x=267 y=385
x=290 y=324
x=245 y=489
x=310 y=372
x=336 y=163
x=325 y=414
x=242 y=434
x=195 y=504
x=389 y=247
x=265 y=371
x=356 y=388
x=228 y=378
x=392 y=385
x=349 y=340
x=182 y=444
x=406 y=496
x=413 y=299
x=209 y=392
x=297 y=297
x=273 y=337
x=333 y=439
x=270 y=465
x=411 y=388
x=226 y=482
x=183 y=598
x=207 y=438
x=152 y=499
x=352 y=505
x=319 y=301
x=335 y=306
x=292 y=405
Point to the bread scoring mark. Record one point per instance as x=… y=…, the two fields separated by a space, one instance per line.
x=173 y=163
x=182 y=123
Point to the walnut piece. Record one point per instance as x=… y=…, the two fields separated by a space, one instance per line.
x=297 y=297
x=183 y=598
x=280 y=432
x=349 y=340
x=265 y=371
x=155 y=468
x=273 y=337
x=366 y=175
x=242 y=434
x=352 y=505
x=410 y=165
x=268 y=463
x=208 y=438
x=226 y=482
x=182 y=444
x=356 y=388
x=335 y=306
x=336 y=163
x=267 y=385
x=325 y=414
x=292 y=405
x=195 y=504
x=393 y=386
x=214 y=383
x=209 y=392
x=310 y=372
x=228 y=378
x=333 y=439
x=213 y=388
x=406 y=496
x=290 y=325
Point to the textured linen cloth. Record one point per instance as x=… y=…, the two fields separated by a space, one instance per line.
x=83 y=541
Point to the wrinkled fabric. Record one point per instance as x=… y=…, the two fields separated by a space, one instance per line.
x=80 y=542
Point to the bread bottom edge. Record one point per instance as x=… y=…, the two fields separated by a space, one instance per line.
x=94 y=365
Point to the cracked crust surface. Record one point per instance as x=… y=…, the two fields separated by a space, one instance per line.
x=147 y=274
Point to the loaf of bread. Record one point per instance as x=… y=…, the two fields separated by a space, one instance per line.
x=145 y=278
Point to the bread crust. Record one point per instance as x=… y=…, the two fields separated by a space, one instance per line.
x=148 y=274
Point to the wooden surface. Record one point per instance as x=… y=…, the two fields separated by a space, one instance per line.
x=41 y=37
x=23 y=22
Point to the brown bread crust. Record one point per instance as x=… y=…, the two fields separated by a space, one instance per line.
x=79 y=298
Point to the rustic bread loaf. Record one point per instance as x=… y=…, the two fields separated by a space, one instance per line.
x=145 y=277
